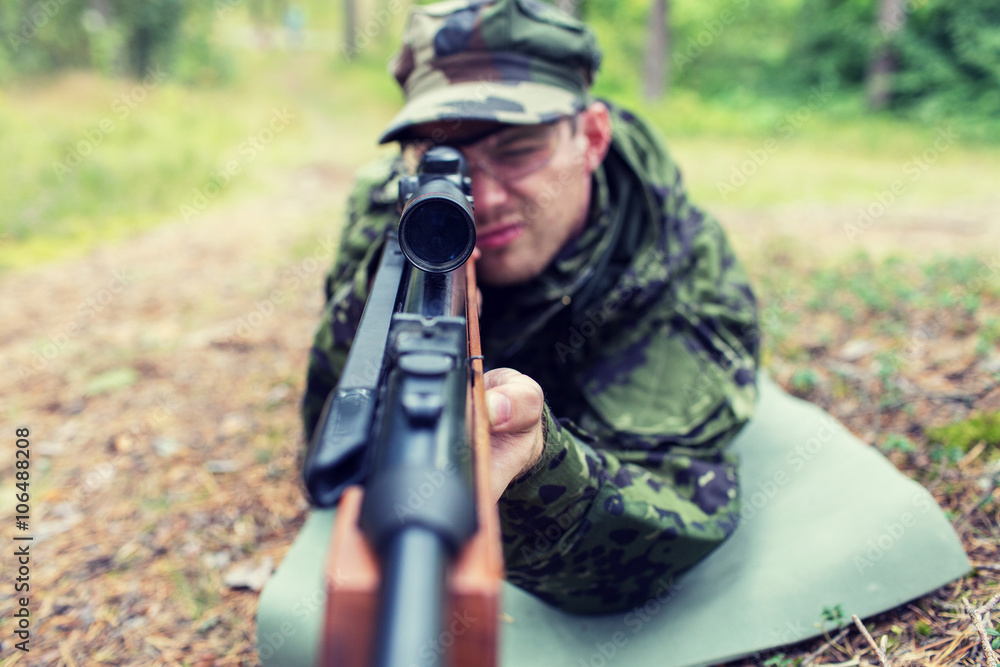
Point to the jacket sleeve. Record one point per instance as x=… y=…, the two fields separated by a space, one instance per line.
x=591 y=530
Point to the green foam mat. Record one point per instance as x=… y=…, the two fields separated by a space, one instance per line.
x=827 y=521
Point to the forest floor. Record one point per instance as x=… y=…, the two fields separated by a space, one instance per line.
x=160 y=378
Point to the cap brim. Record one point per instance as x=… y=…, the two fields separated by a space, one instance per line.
x=520 y=103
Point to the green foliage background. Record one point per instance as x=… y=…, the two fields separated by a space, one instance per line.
x=741 y=71
x=123 y=37
x=948 y=53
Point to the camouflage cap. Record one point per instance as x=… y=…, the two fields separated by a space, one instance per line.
x=510 y=61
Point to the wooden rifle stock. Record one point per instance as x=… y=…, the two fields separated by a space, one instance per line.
x=470 y=633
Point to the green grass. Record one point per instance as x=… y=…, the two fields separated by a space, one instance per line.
x=905 y=307
x=965 y=434
x=104 y=169
x=820 y=158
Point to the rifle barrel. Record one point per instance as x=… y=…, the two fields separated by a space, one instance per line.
x=414 y=570
x=419 y=508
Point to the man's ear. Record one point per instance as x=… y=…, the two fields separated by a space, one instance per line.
x=595 y=127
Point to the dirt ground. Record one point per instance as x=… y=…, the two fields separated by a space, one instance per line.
x=160 y=379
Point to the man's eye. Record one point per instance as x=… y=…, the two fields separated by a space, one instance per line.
x=412 y=154
x=517 y=153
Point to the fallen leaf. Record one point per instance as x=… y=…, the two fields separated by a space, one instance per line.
x=855 y=349
x=246 y=575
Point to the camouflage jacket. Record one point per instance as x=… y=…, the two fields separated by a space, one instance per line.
x=643 y=335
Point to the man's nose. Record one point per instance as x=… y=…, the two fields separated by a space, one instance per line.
x=487 y=192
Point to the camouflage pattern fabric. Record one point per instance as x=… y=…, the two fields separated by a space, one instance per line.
x=511 y=61
x=643 y=335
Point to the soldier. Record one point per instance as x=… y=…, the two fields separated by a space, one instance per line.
x=621 y=329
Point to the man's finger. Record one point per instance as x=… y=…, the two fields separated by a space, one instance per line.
x=514 y=401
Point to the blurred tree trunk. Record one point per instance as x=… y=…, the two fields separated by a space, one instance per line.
x=151 y=29
x=350 y=28
x=657 y=65
x=891 y=19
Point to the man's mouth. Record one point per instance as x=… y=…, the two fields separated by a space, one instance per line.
x=497 y=236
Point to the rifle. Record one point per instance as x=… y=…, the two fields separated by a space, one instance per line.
x=414 y=571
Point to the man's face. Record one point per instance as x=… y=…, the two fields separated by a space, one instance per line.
x=530 y=187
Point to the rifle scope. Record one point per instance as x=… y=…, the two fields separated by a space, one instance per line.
x=437 y=232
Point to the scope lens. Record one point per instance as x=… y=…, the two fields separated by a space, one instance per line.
x=437 y=234
x=440 y=237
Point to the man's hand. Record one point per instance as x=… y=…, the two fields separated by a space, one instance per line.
x=515 y=403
